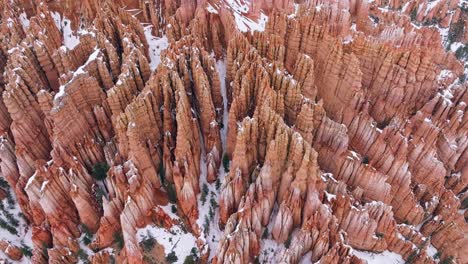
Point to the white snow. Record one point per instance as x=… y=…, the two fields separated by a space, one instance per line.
x=296 y=10
x=444 y=74
x=85 y=248
x=221 y=68
x=269 y=249
x=208 y=211
x=211 y=9
x=431 y=250
x=24 y=231
x=24 y=20
x=330 y=196
x=175 y=239
x=244 y=23
x=431 y=6
x=454 y=46
x=403 y=9
x=385 y=257
x=156 y=46
x=79 y=71
x=69 y=38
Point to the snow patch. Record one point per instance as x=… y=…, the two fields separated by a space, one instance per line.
x=64 y=25
x=221 y=68
x=244 y=23
x=156 y=46
x=24 y=20
x=211 y=9
x=23 y=231
x=79 y=71
x=444 y=74
x=269 y=250
x=431 y=6
x=385 y=257
x=175 y=239
x=455 y=46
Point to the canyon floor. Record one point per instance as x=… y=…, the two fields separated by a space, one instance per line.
x=234 y=131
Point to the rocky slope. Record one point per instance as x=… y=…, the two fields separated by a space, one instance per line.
x=233 y=131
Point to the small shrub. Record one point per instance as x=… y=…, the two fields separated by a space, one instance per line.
x=171 y=257
x=365 y=160
x=148 y=242
x=413 y=14
x=192 y=258
x=88 y=235
x=86 y=240
x=4 y=184
x=82 y=255
x=447 y=260
x=211 y=212
x=206 y=225
x=287 y=243
x=226 y=162
x=374 y=19
x=455 y=32
x=45 y=250
x=174 y=209
x=171 y=192
x=464 y=203
x=379 y=235
x=21 y=215
x=437 y=255
x=118 y=239
x=85 y=230
x=218 y=184
x=26 y=250
x=99 y=193
x=412 y=257
x=383 y=124
x=204 y=193
x=11 y=219
x=432 y=21
x=189 y=260
x=149 y=259
x=8 y=227
x=265 y=233
x=11 y=201
x=464 y=8
x=462 y=52
x=99 y=171
x=162 y=174
x=213 y=202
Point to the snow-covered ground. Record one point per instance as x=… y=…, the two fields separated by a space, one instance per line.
x=156 y=46
x=64 y=25
x=22 y=237
x=209 y=197
x=221 y=68
x=385 y=257
x=240 y=9
x=269 y=250
x=174 y=240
